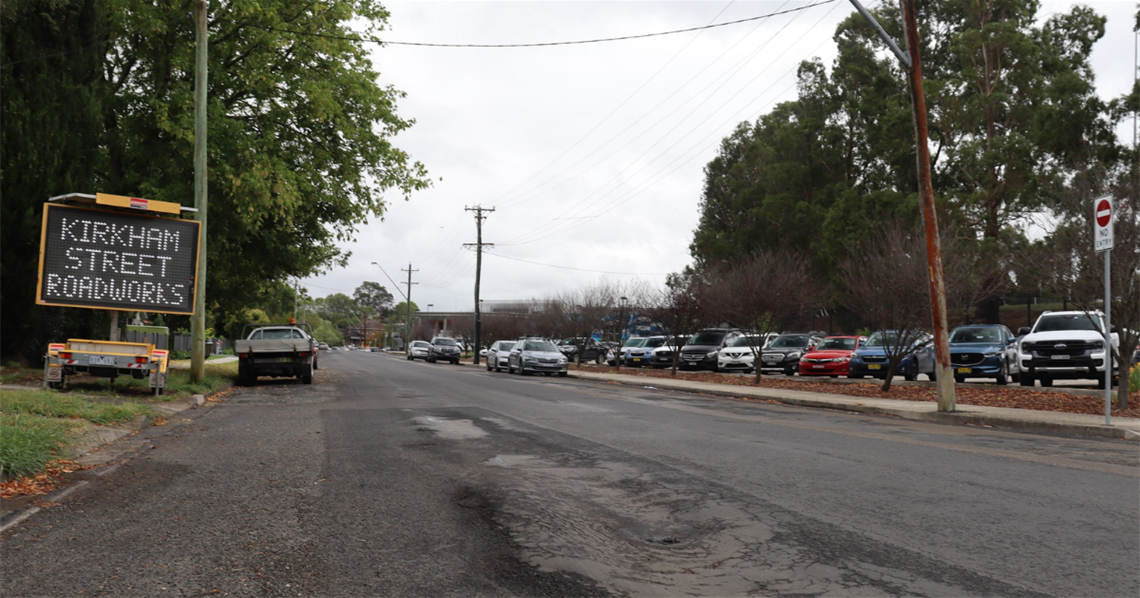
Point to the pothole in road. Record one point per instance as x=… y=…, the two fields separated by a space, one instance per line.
x=450 y=429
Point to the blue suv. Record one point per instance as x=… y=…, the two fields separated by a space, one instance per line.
x=983 y=351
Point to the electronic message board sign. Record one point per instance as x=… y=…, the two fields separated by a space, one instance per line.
x=112 y=260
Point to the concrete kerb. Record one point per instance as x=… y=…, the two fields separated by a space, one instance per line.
x=999 y=417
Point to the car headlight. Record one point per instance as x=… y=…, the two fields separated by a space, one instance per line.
x=529 y=358
x=562 y=361
x=993 y=354
x=711 y=354
x=794 y=355
x=1098 y=345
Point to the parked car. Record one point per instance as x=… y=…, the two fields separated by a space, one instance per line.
x=443 y=348
x=831 y=356
x=592 y=350
x=530 y=356
x=984 y=351
x=419 y=350
x=374 y=349
x=632 y=342
x=784 y=352
x=639 y=356
x=741 y=353
x=1064 y=345
x=871 y=358
x=662 y=357
x=701 y=350
x=323 y=346
x=497 y=355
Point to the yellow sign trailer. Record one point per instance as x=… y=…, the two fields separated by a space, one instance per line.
x=111 y=359
x=106 y=359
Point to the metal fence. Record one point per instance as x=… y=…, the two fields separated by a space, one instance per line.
x=178 y=342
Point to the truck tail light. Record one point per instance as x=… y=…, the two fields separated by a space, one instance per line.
x=140 y=359
x=65 y=355
x=304 y=353
x=242 y=355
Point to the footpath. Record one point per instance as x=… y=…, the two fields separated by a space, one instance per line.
x=1074 y=424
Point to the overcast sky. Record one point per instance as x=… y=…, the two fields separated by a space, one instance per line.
x=592 y=155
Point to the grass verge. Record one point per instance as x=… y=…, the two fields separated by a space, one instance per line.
x=29 y=442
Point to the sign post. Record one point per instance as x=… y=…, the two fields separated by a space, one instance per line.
x=1103 y=241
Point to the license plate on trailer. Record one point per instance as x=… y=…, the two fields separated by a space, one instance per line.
x=283 y=360
x=874 y=366
x=964 y=370
x=1060 y=357
x=101 y=360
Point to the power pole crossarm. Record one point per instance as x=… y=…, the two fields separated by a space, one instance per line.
x=479 y=244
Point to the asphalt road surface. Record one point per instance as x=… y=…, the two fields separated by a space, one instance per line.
x=389 y=477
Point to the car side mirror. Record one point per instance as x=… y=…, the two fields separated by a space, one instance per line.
x=1112 y=329
x=1024 y=330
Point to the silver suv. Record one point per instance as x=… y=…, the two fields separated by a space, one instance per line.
x=1064 y=345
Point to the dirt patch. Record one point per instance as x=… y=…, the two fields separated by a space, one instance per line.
x=1014 y=397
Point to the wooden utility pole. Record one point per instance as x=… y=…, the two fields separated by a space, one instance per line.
x=478 y=244
x=945 y=373
x=912 y=63
x=408 y=321
x=198 y=320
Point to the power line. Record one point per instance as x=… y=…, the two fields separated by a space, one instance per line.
x=536 y=44
x=551 y=228
x=573 y=268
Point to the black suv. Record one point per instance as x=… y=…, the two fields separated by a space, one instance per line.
x=701 y=350
x=443 y=348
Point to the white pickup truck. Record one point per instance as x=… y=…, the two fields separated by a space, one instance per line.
x=277 y=350
x=1065 y=345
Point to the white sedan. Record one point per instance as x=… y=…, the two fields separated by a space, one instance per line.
x=419 y=350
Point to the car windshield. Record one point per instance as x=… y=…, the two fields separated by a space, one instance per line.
x=446 y=342
x=506 y=346
x=836 y=344
x=655 y=341
x=882 y=339
x=707 y=338
x=540 y=346
x=276 y=334
x=634 y=342
x=791 y=341
x=745 y=341
x=975 y=334
x=1053 y=323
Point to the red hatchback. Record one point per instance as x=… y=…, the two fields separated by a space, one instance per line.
x=830 y=356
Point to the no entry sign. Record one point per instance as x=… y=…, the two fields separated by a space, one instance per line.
x=1102 y=231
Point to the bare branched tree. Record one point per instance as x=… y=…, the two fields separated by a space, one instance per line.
x=885 y=276
x=759 y=292
x=1065 y=262
x=677 y=309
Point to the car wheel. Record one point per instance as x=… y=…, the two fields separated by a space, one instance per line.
x=1046 y=381
x=1003 y=375
x=854 y=376
x=959 y=379
x=1025 y=378
x=911 y=376
x=933 y=375
x=1100 y=382
x=454 y=362
x=562 y=374
x=598 y=360
x=790 y=372
x=409 y=358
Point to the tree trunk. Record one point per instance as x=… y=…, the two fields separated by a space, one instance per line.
x=890 y=376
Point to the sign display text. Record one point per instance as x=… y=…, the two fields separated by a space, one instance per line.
x=111 y=260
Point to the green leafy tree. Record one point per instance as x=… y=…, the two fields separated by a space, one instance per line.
x=375 y=296
x=51 y=109
x=296 y=161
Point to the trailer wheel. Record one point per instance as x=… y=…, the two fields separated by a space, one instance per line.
x=245 y=376
x=307 y=378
